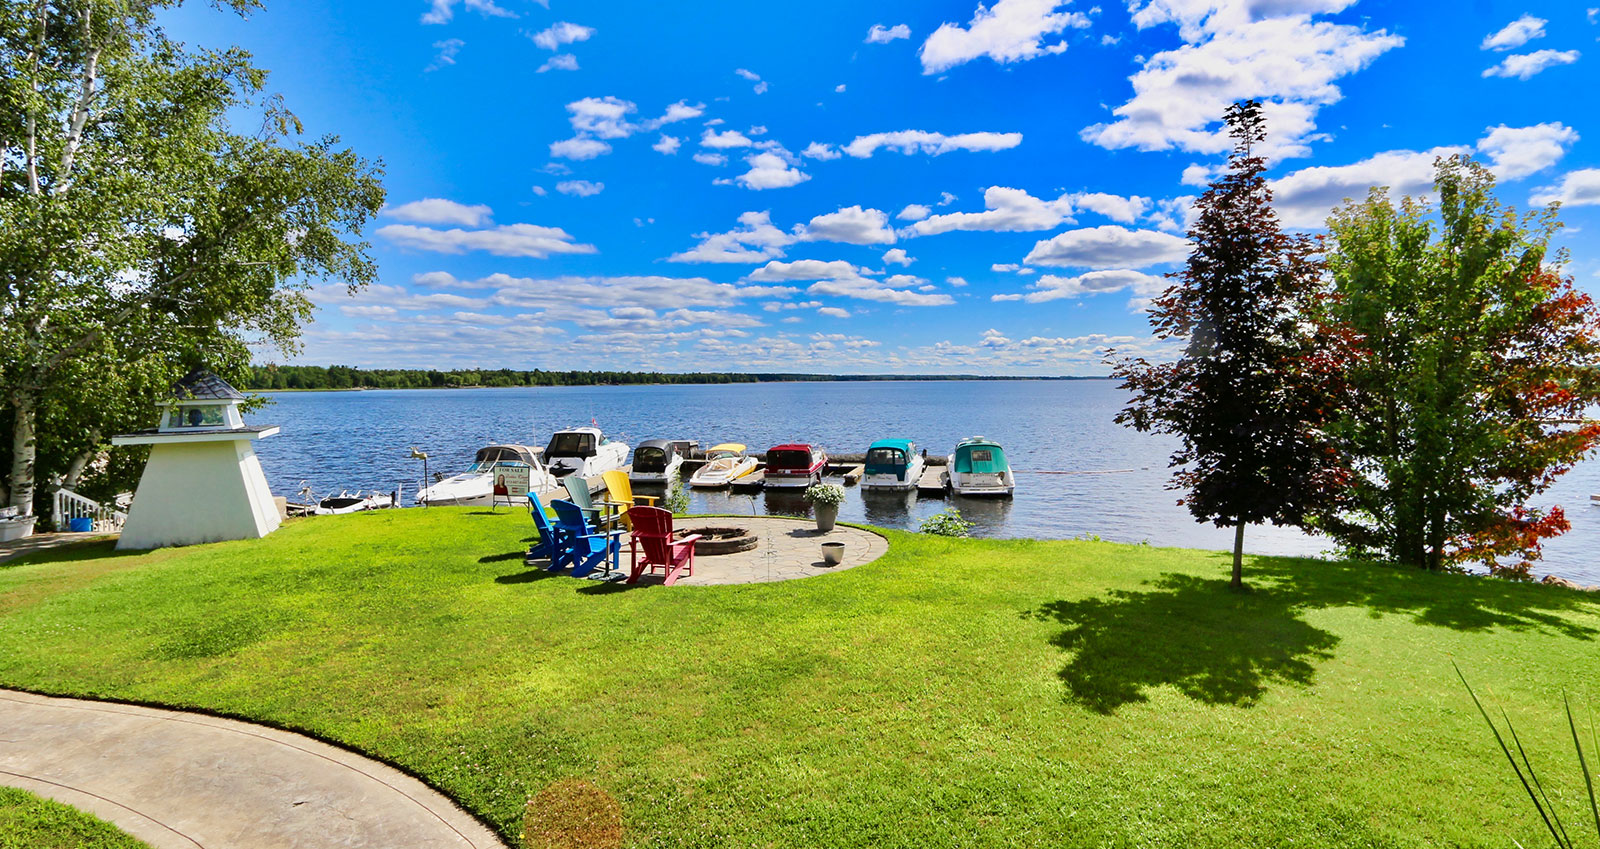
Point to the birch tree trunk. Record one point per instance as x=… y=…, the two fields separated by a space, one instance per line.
x=23 y=445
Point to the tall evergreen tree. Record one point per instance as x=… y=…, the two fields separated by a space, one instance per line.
x=1250 y=393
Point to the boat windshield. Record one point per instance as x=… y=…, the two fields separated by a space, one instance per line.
x=649 y=459
x=789 y=459
x=571 y=445
x=887 y=459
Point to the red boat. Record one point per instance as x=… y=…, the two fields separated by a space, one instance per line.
x=796 y=464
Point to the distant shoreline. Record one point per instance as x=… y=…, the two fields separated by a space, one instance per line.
x=724 y=379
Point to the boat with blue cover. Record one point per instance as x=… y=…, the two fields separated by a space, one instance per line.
x=979 y=467
x=892 y=464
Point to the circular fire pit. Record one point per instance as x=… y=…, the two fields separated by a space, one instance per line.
x=715 y=541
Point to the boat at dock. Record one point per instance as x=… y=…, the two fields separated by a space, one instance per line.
x=659 y=460
x=893 y=464
x=979 y=468
x=353 y=502
x=476 y=485
x=795 y=465
x=583 y=451
x=724 y=464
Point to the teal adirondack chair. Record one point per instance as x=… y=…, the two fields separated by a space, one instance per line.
x=604 y=514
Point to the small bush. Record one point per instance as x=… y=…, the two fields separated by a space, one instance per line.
x=946 y=524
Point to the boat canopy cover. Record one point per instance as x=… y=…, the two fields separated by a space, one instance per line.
x=889 y=456
x=653 y=455
x=980 y=456
x=793 y=457
x=726 y=448
x=583 y=442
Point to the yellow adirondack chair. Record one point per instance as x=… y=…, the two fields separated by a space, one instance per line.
x=619 y=490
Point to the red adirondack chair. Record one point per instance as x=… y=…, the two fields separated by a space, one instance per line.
x=652 y=537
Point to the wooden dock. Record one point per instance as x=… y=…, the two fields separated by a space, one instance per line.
x=752 y=482
x=934 y=481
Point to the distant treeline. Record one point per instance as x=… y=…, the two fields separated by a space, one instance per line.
x=346 y=377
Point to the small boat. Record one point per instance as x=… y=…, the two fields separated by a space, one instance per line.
x=893 y=464
x=658 y=460
x=352 y=502
x=979 y=467
x=725 y=464
x=583 y=451
x=476 y=485
x=795 y=465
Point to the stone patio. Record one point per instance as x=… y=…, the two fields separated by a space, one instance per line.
x=789 y=549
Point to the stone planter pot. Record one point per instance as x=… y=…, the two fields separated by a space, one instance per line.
x=826 y=514
x=833 y=553
x=16 y=528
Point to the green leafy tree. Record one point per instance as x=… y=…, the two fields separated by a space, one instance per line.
x=141 y=231
x=1467 y=347
x=1251 y=391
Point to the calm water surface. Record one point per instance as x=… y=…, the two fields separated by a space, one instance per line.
x=362 y=440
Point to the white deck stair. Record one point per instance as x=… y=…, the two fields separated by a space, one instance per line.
x=69 y=505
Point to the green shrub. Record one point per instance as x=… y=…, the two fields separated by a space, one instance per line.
x=946 y=524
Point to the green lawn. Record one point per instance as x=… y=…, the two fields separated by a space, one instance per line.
x=29 y=822
x=954 y=693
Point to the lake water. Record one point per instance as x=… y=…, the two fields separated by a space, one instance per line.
x=362 y=440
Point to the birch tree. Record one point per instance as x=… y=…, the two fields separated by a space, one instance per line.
x=138 y=225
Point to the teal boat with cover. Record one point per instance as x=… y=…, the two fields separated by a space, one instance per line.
x=979 y=467
x=892 y=464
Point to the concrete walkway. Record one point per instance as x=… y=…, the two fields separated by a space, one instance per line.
x=187 y=781
x=44 y=542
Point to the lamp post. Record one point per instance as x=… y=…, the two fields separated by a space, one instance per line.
x=423 y=456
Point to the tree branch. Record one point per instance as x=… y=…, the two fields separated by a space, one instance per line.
x=80 y=112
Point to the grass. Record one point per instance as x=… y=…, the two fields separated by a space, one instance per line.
x=29 y=822
x=954 y=693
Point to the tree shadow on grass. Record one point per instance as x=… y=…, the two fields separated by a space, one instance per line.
x=537 y=573
x=1220 y=647
x=501 y=558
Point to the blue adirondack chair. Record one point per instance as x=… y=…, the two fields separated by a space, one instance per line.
x=549 y=546
x=584 y=547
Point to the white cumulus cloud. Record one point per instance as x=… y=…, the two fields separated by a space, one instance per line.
x=1052 y=288
x=914 y=212
x=755 y=241
x=441 y=11
x=1523 y=66
x=1515 y=34
x=1516 y=152
x=880 y=34
x=1109 y=246
x=581 y=188
x=441 y=211
x=770 y=171
x=579 y=148
x=724 y=140
x=1289 y=62
x=528 y=240
x=897 y=256
x=1008 y=31
x=667 y=144
x=564 y=32
x=559 y=62
x=1577 y=188
x=911 y=142
x=1005 y=209
x=851 y=225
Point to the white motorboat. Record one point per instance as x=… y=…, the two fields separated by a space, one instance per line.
x=893 y=464
x=659 y=460
x=476 y=485
x=583 y=451
x=352 y=502
x=979 y=467
x=725 y=464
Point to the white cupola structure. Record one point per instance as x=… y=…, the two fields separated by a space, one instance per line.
x=202 y=482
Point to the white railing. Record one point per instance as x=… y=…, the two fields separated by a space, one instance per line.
x=69 y=505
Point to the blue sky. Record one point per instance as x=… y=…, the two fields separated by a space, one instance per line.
x=929 y=187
